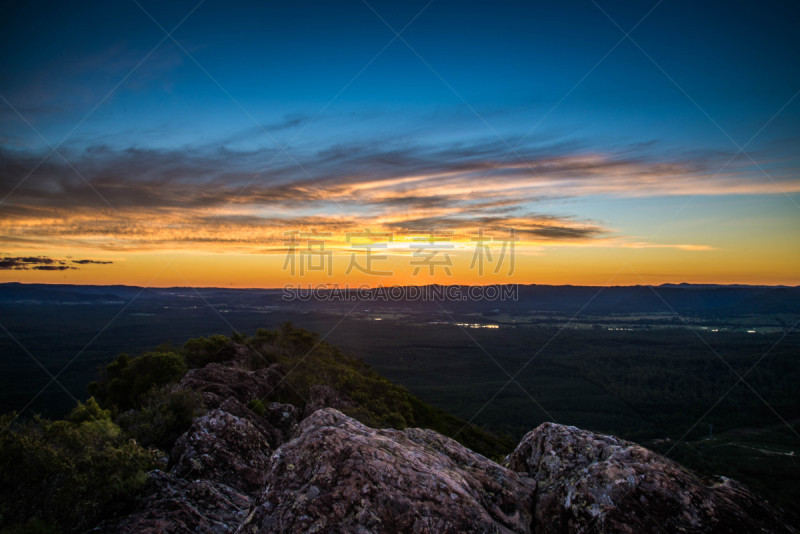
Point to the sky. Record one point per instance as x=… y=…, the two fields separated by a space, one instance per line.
x=259 y=144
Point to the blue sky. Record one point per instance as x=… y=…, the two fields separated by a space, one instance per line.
x=511 y=62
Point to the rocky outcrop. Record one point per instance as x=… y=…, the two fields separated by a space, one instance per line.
x=225 y=448
x=590 y=482
x=339 y=475
x=218 y=382
x=181 y=506
x=236 y=470
x=283 y=418
x=322 y=396
x=247 y=357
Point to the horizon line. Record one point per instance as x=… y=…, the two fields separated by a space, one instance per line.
x=340 y=287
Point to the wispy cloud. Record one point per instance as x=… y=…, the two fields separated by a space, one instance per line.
x=43 y=263
x=92 y=262
x=39 y=263
x=244 y=198
x=640 y=244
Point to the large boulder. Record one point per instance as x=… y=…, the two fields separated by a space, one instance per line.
x=218 y=382
x=589 y=482
x=223 y=447
x=338 y=475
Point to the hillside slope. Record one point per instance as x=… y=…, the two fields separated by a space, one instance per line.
x=280 y=433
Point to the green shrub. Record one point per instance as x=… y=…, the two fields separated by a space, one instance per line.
x=381 y=403
x=296 y=342
x=257 y=406
x=65 y=476
x=262 y=334
x=89 y=411
x=166 y=412
x=125 y=380
x=308 y=360
x=201 y=351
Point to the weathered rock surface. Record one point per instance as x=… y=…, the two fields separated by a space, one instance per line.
x=590 y=482
x=322 y=396
x=181 y=506
x=339 y=475
x=225 y=381
x=283 y=418
x=275 y=435
x=225 y=448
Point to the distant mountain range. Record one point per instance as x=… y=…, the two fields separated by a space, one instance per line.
x=680 y=298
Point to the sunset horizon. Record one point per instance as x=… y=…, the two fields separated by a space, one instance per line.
x=153 y=150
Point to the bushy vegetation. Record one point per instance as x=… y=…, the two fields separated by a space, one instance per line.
x=380 y=403
x=164 y=414
x=155 y=413
x=126 y=380
x=199 y=352
x=257 y=406
x=66 y=475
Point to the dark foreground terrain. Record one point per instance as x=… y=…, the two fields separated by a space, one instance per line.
x=705 y=375
x=279 y=433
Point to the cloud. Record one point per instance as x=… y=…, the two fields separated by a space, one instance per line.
x=371 y=173
x=95 y=262
x=242 y=198
x=639 y=244
x=288 y=122
x=42 y=263
x=52 y=267
x=561 y=232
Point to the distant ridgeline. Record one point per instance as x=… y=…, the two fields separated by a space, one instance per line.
x=681 y=298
